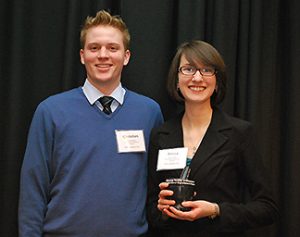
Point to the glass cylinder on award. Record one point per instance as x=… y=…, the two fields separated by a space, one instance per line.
x=183 y=189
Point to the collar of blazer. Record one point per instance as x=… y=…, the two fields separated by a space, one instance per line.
x=172 y=136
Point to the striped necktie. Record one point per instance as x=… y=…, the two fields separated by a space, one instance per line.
x=106 y=102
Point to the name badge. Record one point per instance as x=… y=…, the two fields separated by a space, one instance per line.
x=172 y=159
x=130 y=141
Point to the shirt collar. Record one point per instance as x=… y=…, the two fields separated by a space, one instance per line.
x=93 y=94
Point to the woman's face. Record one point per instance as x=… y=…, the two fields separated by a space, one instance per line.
x=196 y=88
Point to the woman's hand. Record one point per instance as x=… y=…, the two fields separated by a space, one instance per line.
x=163 y=202
x=199 y=209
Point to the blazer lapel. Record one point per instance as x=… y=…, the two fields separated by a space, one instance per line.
x=173 y=138
x=213 y=139
x=174 y=134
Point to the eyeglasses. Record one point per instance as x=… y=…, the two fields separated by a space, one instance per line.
x=189 y=70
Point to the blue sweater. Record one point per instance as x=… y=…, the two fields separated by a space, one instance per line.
x=73 y=180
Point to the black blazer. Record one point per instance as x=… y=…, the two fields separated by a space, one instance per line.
x=227 y=170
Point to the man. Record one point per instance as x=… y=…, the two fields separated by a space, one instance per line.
x=84 y=170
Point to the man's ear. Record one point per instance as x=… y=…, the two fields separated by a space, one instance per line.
x=81 y=56
x=126 y=57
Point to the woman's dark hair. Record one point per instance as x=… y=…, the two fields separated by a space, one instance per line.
x=196 y=52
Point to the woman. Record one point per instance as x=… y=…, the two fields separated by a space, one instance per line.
x=232 y=191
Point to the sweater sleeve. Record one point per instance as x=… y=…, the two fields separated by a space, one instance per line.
x=35 y=175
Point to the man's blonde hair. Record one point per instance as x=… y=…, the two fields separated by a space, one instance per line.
x=104 y=18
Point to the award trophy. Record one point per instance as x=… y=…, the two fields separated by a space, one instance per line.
x=183 y=189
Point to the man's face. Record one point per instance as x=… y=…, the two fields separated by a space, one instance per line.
x=104 y=57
